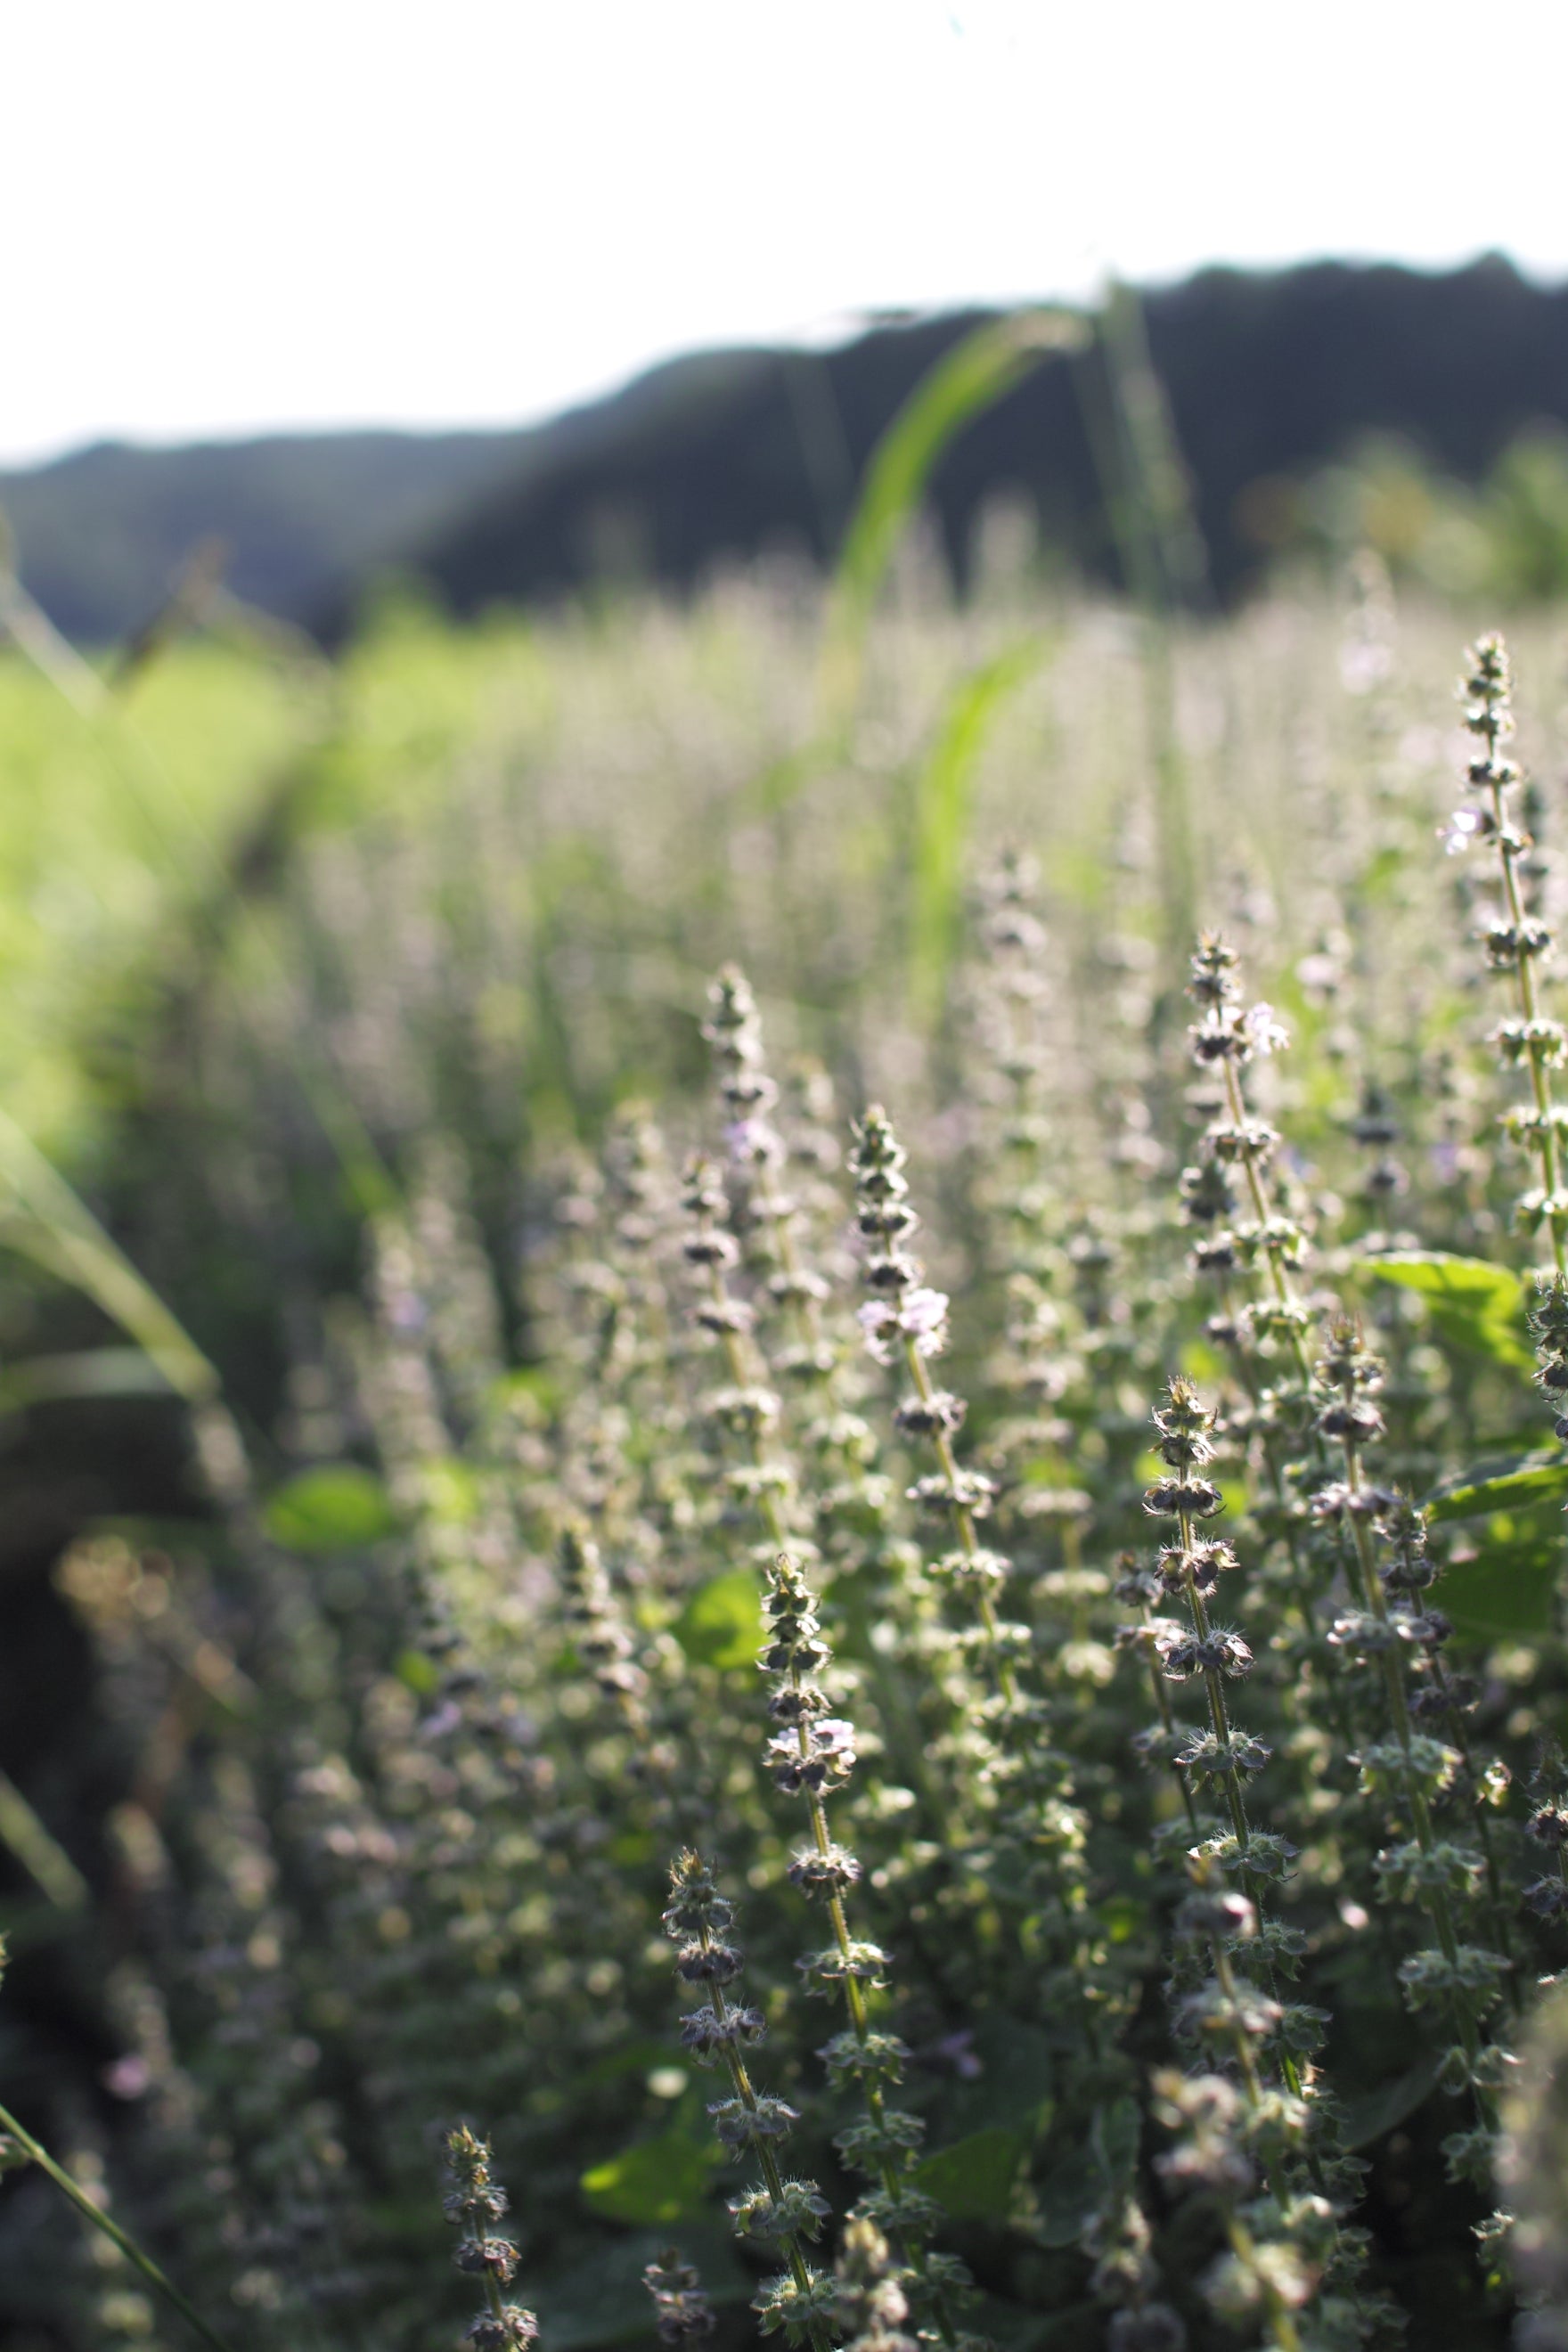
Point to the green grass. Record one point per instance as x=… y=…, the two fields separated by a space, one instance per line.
x=112 y=824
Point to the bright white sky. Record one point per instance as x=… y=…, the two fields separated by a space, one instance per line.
x=234 y=215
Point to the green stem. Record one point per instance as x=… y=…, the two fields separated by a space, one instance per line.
x=1436 y=1907
x=1283 y=2326
x=1540 y=1083
x=741 y=2080
x=1168 y=1719
x=963 y=1524
x=854 y=2002
x=110 y=2228
x=1219 y=1718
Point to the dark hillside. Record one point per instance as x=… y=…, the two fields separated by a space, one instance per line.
x=1266 y=375
x=725 y=454
x=103 y=532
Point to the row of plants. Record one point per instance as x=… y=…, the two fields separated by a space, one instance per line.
x=1116 y=1911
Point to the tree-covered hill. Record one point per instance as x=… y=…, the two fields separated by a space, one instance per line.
x=103 y=532
x=724 y=454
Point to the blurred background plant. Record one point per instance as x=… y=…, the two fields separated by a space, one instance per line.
x=1502 y=542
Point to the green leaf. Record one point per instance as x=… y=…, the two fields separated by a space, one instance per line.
x=337 y=1507
x=533 y=1384
x=1368 y=2117
x=655 y=2180
x=1012 y=2328
x=1510 y=1585
x=602 y=2300
x=1509 y=1486
x=1080 y=2184
x=1475 y=1305
x=1066 y=2199
x=417 y=1672
x=1012 y=2087
x=1123 y=1916
x=1113 y=2137
x=41 y=1855
x=89 y=1372
x=944 y=789
x=972 y=2181
x=964 y=382
x=626 y=2058
x=59 y=1231
x=1439 y=1274
x=633 y=1849
x=721 y=1624
x=1203 y=1364
x=451 y=1491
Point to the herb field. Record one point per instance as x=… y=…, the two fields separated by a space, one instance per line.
x=867 y=1638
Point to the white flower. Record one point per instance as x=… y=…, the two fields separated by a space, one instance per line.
x=920 y=1316
x=1363 y=664
x=1319 y=973
x=1265 y=1034
x=754 y=1143
x=924 y=1313
x=831 y=1735
x=1462 y=828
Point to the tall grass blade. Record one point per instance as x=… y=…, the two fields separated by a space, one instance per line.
x=1149 y=499
x=942 y=801
x=81 y=1372
x=1157 y=481
x=192 y=860
x=41 y=1855
x=969 y=379
x=32 y=633
x=60 y=1232
x=37 y=2154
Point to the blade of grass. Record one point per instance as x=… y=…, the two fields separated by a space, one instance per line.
x=37 y=2154
x=942 y=801
x=83 y=1373
x=32 y=632
x=62 y=1234
x=193 y=861
x=1157 y=474
x=968 y=380
x=1144 y=484
x=41 y=1855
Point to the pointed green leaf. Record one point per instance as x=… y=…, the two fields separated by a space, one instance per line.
x=1440 y=1273
x=972 y=2181
x=1376 y=2112
x=59 y=1231
x=600 y=2299
x=1510 y=1587
x=964 y=382
x=943 y=790
x=655 y=2180
x=1509 y=1486
x=1079 y=2185
x=87 y=1372
x=1475 y=1305
x=1013 y=2067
